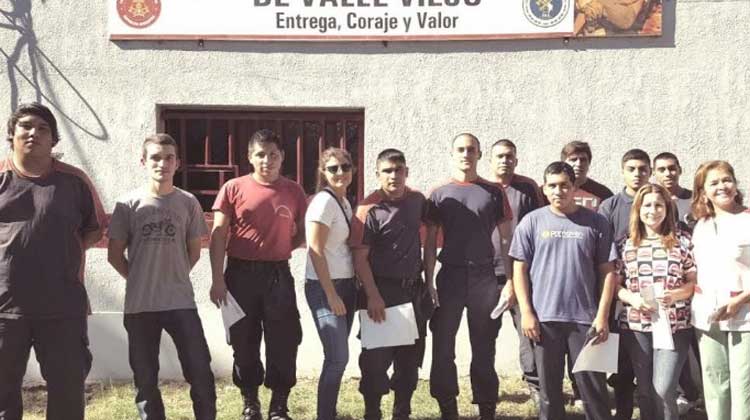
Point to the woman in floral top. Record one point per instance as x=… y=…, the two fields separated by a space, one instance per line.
x=658 y=276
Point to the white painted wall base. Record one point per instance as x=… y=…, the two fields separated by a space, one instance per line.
x=109 y=345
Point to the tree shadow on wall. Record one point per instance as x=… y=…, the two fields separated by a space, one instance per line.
x=19 y=18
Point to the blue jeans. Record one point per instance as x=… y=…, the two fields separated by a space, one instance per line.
x=657 y=371
x=334 y=335
x=144 y=334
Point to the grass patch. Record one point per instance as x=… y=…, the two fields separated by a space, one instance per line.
x=115 y=402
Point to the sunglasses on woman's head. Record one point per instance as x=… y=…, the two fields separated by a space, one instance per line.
x=334 y=169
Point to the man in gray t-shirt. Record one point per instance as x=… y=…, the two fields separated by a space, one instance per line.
x=161 y=228
x=564 y=282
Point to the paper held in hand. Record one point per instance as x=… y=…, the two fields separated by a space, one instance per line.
x=661 y=330
x=502 y=305
x=398 y=329
x=231 y=312
x=599 y=358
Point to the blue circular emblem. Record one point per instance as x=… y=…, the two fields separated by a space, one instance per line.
x=545 y=13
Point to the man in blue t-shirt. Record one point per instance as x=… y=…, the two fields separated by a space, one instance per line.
x=564 y=282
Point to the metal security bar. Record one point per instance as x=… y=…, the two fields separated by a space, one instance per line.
x=213 y=145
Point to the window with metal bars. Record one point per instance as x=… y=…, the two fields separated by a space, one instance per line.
x=213 y=145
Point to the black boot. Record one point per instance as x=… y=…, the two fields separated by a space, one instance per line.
x=448 y=409
x=372 y=407
x=402 y=406
x=252 y=404
x=278 y=408
x=487 y=411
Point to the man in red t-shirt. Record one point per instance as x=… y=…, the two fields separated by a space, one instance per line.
x=258 y=221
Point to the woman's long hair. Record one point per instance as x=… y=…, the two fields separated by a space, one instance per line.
x=702 y=207
x=332 y=152
x=668 y=227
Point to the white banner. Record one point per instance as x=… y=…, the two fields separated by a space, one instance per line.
x=339 y=20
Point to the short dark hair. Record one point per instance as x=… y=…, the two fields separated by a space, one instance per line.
x=265 y=136
x=469 y=135
x=506 y=143
x=665 y=156
x=162 y=139
x=575 y=146
x=391 y=155
x=560 y=167
x=36 y=109
x=636 y=154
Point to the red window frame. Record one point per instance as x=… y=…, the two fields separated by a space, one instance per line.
x=213 y=144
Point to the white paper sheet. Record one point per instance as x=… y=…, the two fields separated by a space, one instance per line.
x=502 y=306
x=398 y=329
x=599 y=358
x=231 y=312
x=661 y=330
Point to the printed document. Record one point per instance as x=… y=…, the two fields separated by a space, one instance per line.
x=398 y=329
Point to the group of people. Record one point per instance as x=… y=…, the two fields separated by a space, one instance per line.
x=574 y=260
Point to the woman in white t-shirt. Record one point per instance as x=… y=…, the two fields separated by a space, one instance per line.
x=330 y=288
x=720 y=307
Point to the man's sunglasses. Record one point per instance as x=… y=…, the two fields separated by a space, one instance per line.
x=334 y=169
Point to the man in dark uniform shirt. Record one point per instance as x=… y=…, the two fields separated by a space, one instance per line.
x=524 y=197
x=388 y=261
x=49 y=214
x=468 y=209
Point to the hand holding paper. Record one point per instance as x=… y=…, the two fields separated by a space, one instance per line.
x=398 y=329
x=503 y=304
x=600 y=357
x=231 y=312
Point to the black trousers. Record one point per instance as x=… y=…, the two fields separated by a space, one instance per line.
x=474 y=289
x=265 y=292
x=406 y=360
x=144 y=336
x=623 y=383
x=62 y=350
x=550 y=360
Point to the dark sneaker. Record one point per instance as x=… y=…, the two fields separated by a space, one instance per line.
x=401 y=406
x=252 y=409
x=487 y=411
x=278 y=408
x=448 y=409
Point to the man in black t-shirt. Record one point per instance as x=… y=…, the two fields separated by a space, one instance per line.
x=49 y=214
x=468 y=209
x=388 y=261
x=524 y=197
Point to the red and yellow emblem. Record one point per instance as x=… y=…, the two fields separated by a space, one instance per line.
x=139 y=13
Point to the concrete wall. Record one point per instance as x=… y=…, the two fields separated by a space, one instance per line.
x=686 y=91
